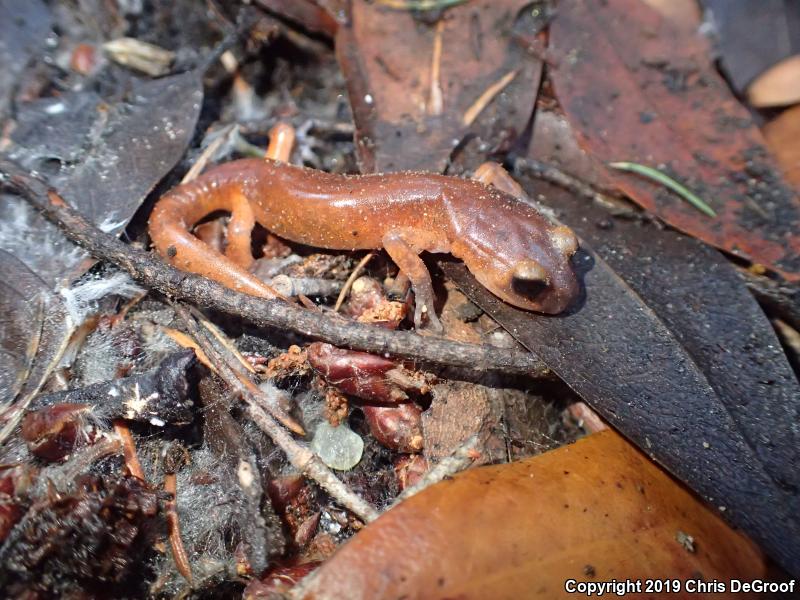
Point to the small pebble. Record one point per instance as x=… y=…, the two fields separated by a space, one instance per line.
x=338 y=447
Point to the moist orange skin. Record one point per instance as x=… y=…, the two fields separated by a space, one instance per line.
x=404 y=213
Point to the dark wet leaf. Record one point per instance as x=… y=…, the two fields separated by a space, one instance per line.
x=617 y=353
x=637 y=89
x=24 y=27
x=104 y=157
x=702 y=300
x=406 y=117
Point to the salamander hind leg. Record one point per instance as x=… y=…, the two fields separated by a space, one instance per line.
x=405 y=253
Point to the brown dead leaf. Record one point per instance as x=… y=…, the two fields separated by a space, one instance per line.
x=418 y=89
x=595 y=510
x=458 y=411
x=638 y=89
x=782 y=134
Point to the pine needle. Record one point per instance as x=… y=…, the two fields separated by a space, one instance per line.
x=668 y=183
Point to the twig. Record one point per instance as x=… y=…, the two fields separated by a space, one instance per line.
x=206 y=341
x=486 y=97
x=435 y=101
x=349 y=283
x=174 y=459
x=554 y=175
x=129 y=449
x=206 y=156
x=155 y=274
x=303 y=459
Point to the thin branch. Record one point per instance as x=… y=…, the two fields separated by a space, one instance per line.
x=301 y=457
x=155 y=274
x=554 y=175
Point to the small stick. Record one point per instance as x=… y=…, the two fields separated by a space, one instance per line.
x=129 y=449
x=305 y=286
x=349 y=283
x=303 y=459
x=436 y=102
x=554 y=175
x=203 y=159
x=224 y=340
x=154 y=273
x=486 y=97
x=174 y=459
x=205 y=342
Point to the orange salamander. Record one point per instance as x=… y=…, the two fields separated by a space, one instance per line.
x=513 y=250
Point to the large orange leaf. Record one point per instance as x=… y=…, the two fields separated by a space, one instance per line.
x=638 y=89
x=593 y=511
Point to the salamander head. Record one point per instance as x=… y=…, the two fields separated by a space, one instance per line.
x=529 y=266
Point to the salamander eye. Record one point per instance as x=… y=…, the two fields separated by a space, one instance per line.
x=529 y=278
x=564 y=239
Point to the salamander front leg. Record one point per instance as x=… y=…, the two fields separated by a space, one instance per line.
x=491 y=173
x=406 y=256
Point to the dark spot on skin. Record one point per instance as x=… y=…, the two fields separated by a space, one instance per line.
x=646 y=117
x=355 y=233
x=172 y=251
x=588 y=570
x=440 y=581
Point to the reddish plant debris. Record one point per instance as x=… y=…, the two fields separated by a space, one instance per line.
x=306 y=530
x=368 y=303
x=409 y=469
x=637 y=89
x=14 y=482
x=586 y=417
x=520 y=530
x=277 y=581
x=89 y=539
x=282 y=490
x=83 y=59
x=398 y=427
x=291 y=363
x=53 y=433
x=365 y=293
x=336 y=406
x=357 y=373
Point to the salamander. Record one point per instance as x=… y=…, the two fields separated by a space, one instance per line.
x=511 y=248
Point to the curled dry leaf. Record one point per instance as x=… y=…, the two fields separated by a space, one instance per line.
x=396 y=427
x=638 y=89
x=597 y=509
x=363 y=375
